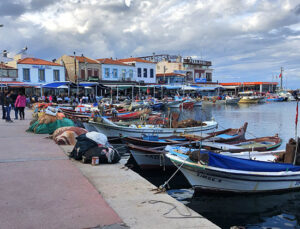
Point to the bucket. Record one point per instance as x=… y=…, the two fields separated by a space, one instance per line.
x=95 y=160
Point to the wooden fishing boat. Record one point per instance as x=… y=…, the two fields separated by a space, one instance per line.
x=111 y=129
x=248 y=97
x=215 y=172
x=257 y=144
x=226 y=135
x=131 y=115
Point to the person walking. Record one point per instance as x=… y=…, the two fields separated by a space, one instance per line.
x=21 y=104
x=8 y=103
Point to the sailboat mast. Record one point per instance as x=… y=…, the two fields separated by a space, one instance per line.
x=281 y=70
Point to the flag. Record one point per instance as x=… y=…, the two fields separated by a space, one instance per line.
x=296 y=121
x=280 y=75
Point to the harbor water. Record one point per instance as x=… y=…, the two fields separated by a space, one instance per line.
x=274 y=210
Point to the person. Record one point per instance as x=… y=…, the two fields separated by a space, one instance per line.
x=3 y=106
x=8 y=103
x=50 y=98
x=14 y=96
x=21 y=104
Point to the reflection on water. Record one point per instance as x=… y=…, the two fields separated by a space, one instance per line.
x=252 y=211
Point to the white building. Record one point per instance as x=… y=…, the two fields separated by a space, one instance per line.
x=145 y=71
x=114 y=70
x=34 y=70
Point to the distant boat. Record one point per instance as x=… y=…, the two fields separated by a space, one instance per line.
x=248 y=97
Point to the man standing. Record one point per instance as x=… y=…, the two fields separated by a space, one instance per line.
x=8 y=102
x=14 y=96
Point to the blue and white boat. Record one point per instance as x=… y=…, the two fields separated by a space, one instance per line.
x=215 y=172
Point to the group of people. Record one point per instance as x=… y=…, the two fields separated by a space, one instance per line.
x=11 y=100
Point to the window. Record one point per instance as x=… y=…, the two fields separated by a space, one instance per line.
x=26 y=75
x=130 y=73
x=82 y=75
x=115 y=73
x=55 y=75
x=151 y=73
x=145 y=72
x=123 y=73
x=90 y=72
x=96 y=73
x=41 y=75
x=106 y=70
x=139 y=72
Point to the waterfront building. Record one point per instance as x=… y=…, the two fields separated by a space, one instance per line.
x=145 y=71
x=195 y=71
x=250 y=86
x=8 y=73
x=38 y=71
x=80 y=68
x=115 y=70
x=170 y=78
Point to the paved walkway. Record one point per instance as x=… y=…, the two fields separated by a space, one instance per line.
x=40 y=188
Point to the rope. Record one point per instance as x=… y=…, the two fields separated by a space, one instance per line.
x=174 y=207
x=163 y=187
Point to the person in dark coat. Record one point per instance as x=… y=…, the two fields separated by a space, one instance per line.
x=8 y=103
x=14 y=96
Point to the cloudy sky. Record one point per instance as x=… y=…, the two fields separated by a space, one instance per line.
x=246 y=40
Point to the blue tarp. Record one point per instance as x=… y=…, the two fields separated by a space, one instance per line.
x=227 y=162
x=234 y=163
x=205 y=88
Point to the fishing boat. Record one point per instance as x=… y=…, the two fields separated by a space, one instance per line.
x=198 y=103
x=227 y=135
x=232 y=100
x=149 y=157
x=275 y=99
x=111 y=129
x=214 y=172
x=248 y=97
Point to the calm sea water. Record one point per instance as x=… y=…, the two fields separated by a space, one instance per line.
x=250 y=211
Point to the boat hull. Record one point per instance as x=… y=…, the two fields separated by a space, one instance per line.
x=151 y=161
x=209 y=178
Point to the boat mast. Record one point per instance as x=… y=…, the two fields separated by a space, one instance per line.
x=281 y=70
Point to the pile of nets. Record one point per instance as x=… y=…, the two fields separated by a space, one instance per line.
x=46 y=124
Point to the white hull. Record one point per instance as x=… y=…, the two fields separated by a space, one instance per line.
x=216 y=179
x=232 y=101
x=197 y=103
x=116 y=131
x=151 y=161
x=174 y=104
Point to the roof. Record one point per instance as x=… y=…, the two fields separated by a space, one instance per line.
x=134 y=59
x=84 y=59
x=36 y=61
x=248 y=83
x=170 y=74
x=111 y=61
x=4 y=66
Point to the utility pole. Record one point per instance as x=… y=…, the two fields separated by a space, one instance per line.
x=76 y=77
x=281 y=70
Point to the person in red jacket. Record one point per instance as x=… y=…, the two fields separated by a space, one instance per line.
x=21 y=104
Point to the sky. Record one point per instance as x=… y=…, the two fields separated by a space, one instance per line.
x=246 y=40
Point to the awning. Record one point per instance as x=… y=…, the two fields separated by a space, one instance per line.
x=172 y=87
x=57 y=85
x=88 y=84
x=206 y=88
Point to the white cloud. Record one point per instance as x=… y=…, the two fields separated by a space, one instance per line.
x=242 y=37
